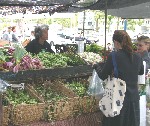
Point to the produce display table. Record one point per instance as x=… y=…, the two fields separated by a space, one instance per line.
x=47 y=74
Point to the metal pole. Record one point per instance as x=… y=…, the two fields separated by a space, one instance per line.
x=83 y=22
x=1 y=110
x=118 y=23
x=125 y=24
x=105 y=29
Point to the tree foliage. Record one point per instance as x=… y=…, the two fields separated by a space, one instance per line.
x=66 y=22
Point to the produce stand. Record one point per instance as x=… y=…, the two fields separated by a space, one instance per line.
x=58 y=89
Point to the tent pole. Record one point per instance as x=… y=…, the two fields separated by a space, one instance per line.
x=105 y=29
x=1 y=110
x=125 y=24
x=83 y=29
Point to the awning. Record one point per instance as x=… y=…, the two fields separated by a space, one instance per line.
x=33 y=2
x=136 y=11
x=124 y=8
x=119 y=8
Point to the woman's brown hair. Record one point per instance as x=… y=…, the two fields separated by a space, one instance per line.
x=124 y=39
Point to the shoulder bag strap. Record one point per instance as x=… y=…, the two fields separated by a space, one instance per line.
x=114 y=64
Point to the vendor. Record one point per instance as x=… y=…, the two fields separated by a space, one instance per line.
x=39 y=43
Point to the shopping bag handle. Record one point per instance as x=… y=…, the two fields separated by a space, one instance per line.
x=114 y=64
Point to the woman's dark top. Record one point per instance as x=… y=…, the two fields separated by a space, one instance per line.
x=127 y=71
x=35 y=47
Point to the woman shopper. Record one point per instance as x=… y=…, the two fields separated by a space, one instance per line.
x=130 y=65
x=39 y=43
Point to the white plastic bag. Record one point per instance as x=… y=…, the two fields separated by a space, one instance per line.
x=3 y=86
x=96 y=86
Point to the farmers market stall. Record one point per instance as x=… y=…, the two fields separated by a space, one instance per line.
x=71 y=107
x=55 y=87
x=54 y=92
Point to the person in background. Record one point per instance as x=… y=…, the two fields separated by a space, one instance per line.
x=130 y=65
x=109 y=47
x=8 y=35
x=32 y=35
x=39 y=43
x=143 y=47
x=14 y=36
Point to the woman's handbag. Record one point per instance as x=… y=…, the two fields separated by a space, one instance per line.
x=113 y=98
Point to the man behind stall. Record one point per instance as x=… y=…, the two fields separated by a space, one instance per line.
x=39 y=43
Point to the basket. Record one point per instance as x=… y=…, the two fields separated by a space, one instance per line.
x=26 y=113
x=60 y=110
x=57 y=110
x=85 y=104
x=71 y=107
x=33 y=93
x=6 y=115
x=58 y=86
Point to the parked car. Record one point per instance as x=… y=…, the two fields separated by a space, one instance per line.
x=77 y=39
x=59 y=40
x=91 y=39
